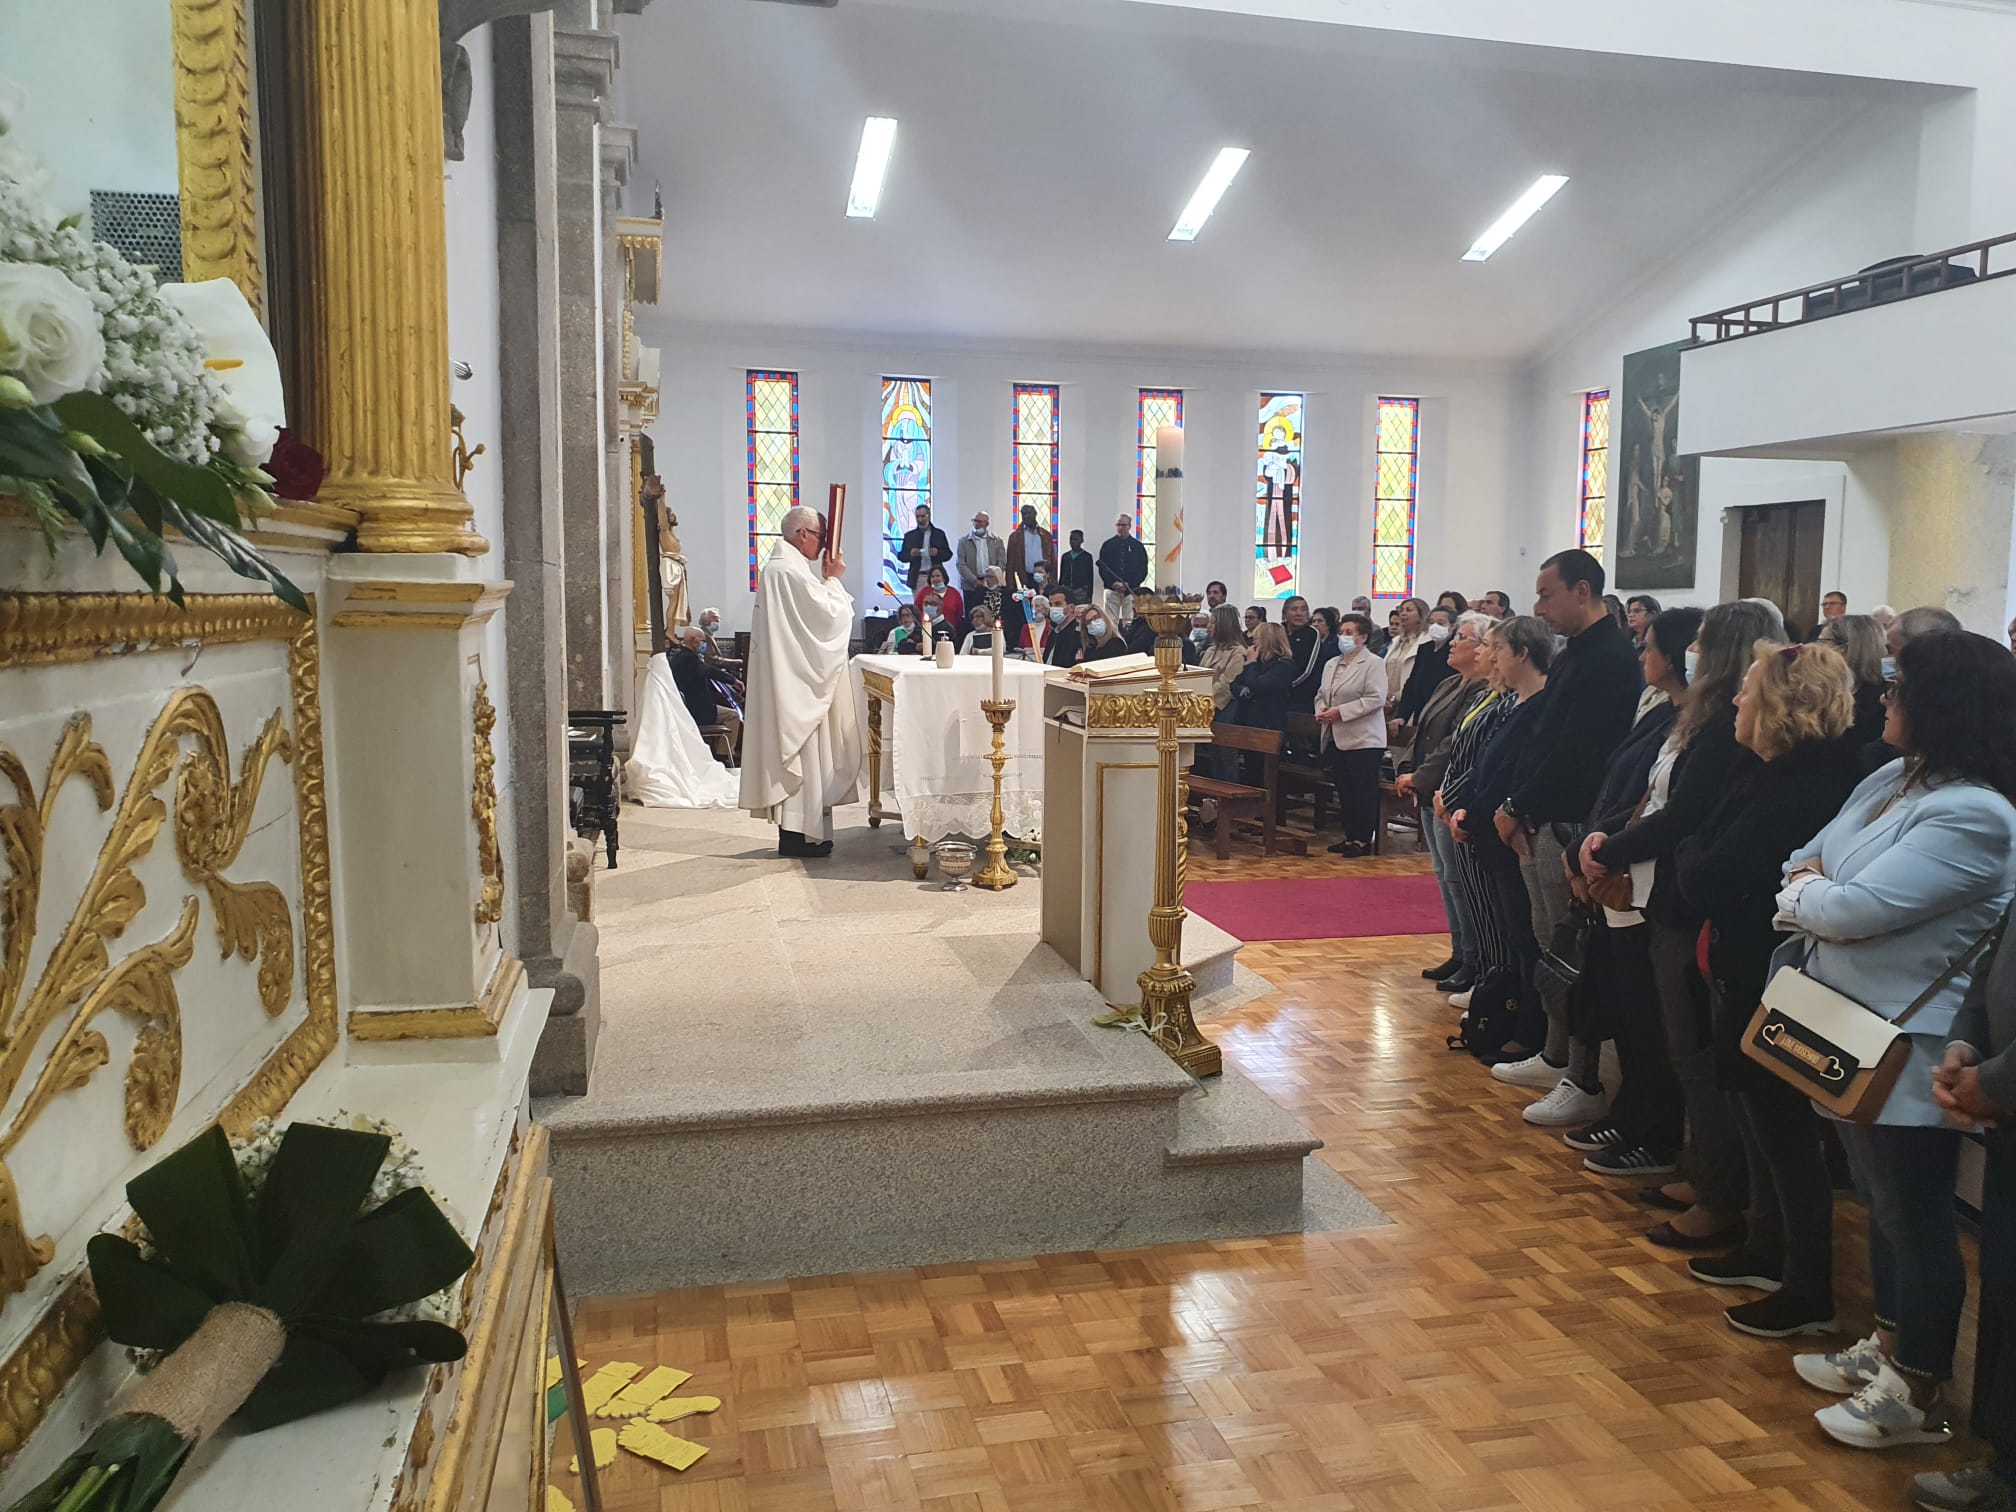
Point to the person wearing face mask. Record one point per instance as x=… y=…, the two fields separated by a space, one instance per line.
x=1067 y=633
x=1315 y=648
x=1032 y=552
x=1695 y=767
x=931 y=610
x=1033 y=641
x=951 y=603
x=978 y=551
x=1350 y=710
x=1377 y=644
x=1100 y=638
x=902 y=637
x=1431 y=669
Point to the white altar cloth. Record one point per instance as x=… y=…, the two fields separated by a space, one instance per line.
x=938 y=742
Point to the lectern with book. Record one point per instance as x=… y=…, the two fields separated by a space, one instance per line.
x=1099 y=796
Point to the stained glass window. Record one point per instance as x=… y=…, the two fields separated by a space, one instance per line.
x=1277 y=498
x=1155 y=409
x=906 y=471
x=1595 y=514
x=1397 y=449
x=770 y=416
x=1034 y=479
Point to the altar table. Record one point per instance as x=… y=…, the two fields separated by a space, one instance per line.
x=926 y=728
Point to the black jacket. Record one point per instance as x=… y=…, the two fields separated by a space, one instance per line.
x=940 y=549
x=1065 y=645
x=1312 y=657
x=1701 y=775
x=1141 y=636
x=1592 y=696
x=1498 y=766
x=1730 y=871
x=1260 y=695
x=1123 y=563
x=1074 y=574
x=1430 y=669
x=1869 y=714
x=1628 y=775
x=696 y=688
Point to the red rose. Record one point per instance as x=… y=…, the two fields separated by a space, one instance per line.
x=296 y=468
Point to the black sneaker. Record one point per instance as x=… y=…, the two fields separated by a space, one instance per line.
x=1739 y=1268
x=1598 y=1137
x=1780 y=1316
x=1462 y=981
x=1443 y=972
x=1636 y=1161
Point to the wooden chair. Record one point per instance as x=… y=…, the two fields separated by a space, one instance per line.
x=1243 y=803
x=1302 y=774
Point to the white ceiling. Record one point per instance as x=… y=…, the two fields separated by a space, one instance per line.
x=1046 y=147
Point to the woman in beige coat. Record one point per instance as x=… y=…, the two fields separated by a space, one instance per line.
x=1351 y=708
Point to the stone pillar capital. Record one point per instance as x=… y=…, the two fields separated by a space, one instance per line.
x=584 y=69
x=619 y=154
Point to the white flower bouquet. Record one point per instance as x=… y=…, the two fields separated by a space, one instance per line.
x=126 y=409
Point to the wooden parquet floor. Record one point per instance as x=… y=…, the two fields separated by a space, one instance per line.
x=1509 y=1341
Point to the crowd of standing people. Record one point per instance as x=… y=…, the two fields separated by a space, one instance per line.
x=1686 y=836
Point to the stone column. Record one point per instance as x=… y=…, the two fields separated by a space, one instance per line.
x=559 y=951
x=618 y=156
x=584 y=67
x=376 y=289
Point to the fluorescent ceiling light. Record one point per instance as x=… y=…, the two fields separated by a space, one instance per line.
x=1523 y=209
x=878 y=140
x=1217 y=179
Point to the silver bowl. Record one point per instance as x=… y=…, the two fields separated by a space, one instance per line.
x=955 y=861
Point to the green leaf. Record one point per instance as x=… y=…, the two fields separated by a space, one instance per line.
x=318 y=1181
x=147 y=1304
x=193 y=1203
x=143 y=1455
x=194 y=487
x=403 y=1251
x=235 y=552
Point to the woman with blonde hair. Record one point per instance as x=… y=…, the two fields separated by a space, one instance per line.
x=1795 y=714
x=1859 y=639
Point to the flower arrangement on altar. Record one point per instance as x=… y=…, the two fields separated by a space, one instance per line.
x=128 y=408
x=263 y=1281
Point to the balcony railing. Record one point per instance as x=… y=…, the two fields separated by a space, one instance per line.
x=1884 y=283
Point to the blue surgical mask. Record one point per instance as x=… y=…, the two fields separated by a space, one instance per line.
x=1693 y=664
x=1347 y=644
x=1889 y=667
x=937 y=615
x=1199 y=634
x=1056 y=615
x=1097 y=627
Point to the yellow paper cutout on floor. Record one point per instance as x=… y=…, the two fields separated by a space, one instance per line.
x=603 y=1442
x=556 y=1500
x=552 y=1371
x=605 y=1383
x=636 y=1399
x=651 y=1442
x=674 y=1408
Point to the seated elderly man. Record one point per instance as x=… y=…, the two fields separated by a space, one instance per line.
x=698 y=689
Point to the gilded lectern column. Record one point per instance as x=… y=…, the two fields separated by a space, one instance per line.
x=375 y=243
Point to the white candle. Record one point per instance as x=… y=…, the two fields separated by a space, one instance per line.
x=1000 y=659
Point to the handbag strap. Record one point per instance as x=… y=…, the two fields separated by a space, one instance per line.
x=1966 y=963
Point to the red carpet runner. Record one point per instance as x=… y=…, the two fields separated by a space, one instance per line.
x=1321 y=908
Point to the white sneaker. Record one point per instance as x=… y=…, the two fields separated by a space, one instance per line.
x=1530 y=1072
x=1567 y=1106
x=1842 y=1371
x=1462 y=999
x=1880 y=1416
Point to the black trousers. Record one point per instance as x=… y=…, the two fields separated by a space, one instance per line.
x=1649 y=1108
x=1995 y=1346
x=1791 y=1192
x=1356 y=777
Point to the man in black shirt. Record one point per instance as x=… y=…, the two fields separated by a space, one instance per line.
x=1075 y=571
x=1302 y=640
x=925 y=547
x=1123 y=568
x=1592 y=696
x=696 y=685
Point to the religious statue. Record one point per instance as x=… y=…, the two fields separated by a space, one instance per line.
x=671 y=559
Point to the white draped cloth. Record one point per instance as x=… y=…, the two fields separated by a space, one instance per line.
x=940 y=776
x=670 y=765
x=801 y=736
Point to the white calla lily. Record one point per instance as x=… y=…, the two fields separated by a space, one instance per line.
x=241 y=358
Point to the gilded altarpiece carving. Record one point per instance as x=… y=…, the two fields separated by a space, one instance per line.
x=166 y=937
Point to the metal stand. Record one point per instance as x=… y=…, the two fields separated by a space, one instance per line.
x=997 y=874
x=1166 y=986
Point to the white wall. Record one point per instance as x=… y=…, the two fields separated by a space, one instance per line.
x=1842 y=208
x=1461 y=539
x=473 y=338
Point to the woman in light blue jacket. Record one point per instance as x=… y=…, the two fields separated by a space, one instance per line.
x=1915 y=870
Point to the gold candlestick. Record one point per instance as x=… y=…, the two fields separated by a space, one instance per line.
x=1166 y=986
x=997 y=874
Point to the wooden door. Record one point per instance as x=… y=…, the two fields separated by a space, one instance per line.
x=1781 y=560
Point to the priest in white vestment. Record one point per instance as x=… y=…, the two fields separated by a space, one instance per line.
x=801 y=740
